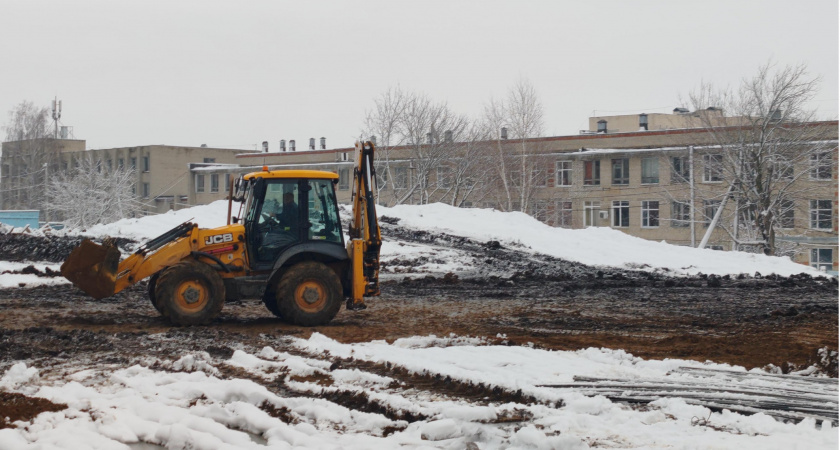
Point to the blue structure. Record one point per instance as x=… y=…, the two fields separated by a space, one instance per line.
x=20 y=218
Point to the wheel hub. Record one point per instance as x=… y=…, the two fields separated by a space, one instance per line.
x=310 y=295
x=191 y=295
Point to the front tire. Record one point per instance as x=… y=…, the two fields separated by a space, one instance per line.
x=308 y=294
x=190 y=293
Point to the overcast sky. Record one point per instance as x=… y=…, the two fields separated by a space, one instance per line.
x=233 y=74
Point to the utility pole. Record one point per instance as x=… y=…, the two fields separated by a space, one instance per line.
x=691 y=188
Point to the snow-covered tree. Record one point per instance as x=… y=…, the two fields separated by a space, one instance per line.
x=768 y=150
x=88 y=194
x=28 y=132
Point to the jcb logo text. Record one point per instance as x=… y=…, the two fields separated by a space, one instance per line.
x=218 y=239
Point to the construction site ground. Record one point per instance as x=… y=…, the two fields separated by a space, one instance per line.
x=519 y=299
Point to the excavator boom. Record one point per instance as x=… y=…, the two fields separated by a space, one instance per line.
x=365 y=237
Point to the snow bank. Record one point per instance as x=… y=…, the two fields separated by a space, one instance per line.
x=599 y=246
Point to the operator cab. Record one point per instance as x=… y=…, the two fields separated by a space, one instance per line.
x=283 y=209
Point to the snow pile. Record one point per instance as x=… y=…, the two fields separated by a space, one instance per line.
x=596 y=246
x=108 y=407
x=592 y=246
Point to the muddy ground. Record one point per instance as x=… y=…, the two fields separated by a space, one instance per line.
x=512 y=297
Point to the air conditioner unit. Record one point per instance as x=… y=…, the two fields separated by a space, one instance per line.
x=604 y=214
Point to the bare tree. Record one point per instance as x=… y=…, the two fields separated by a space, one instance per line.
x=29 y=150
x=766 y=151
x=430 y=138
x=88 y=194
x=519 y=169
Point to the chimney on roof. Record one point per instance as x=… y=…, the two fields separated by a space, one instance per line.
x=282 y=145
x=504 y=133
x=291 y=145
x=311 y=143
x=323 y=143
x=265 y=146
x=447 y=136
x=429 y=138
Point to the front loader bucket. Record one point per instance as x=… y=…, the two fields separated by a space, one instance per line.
x=93 y=268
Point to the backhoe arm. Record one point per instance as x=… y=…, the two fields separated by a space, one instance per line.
x=365 y=237
x=97 y=270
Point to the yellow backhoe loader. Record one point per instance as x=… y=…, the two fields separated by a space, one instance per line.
x=285 y=247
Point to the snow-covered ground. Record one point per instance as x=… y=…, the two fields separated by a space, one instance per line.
x=593 y=246
x=189 y=406
x=29 y=280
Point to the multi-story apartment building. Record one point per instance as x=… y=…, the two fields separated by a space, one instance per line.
x=663 y=185
x=162 y=171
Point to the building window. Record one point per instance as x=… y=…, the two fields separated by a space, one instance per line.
x=592 y=173
x=121 y=163
x=680 y=214
x=199 y=183
x=443 y=175
x=821 y=259
x=564 y=173
x=146 y=163
x=563 y=213
x=620 y=213
x=209 y=160
x=110 y=165
x=821 y=166
x=145 y=190
x=710 y=208
x=650 y=213
x=591 y=214
x=400 y=177
x=214 y=182
x=227 y=182
x=133 y=190
x=786 y=214
x=133 y=163
x=784 y=170
x=643 y=122
x=712 y=168
x=539 y=178
x=539 y=210
x=343 y=179
x=650 y=170
x=620 y=171
x=602 y=126
x=821 y=214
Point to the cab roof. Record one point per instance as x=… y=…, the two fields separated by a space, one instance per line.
x=315 y=174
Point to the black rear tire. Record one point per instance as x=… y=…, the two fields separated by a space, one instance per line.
x=151 y=289
x=190 y=293
x=308 y=294
x=271 y=303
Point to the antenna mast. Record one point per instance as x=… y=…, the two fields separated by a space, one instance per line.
x=56 y=114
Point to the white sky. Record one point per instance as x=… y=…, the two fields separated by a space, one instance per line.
x=237 y=73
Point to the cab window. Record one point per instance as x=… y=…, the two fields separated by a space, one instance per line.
x=323 y=212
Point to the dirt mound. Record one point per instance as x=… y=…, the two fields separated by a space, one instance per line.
x=28 y=247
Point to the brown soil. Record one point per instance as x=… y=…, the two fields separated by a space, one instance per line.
x=751 y=322
x=15 y=407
